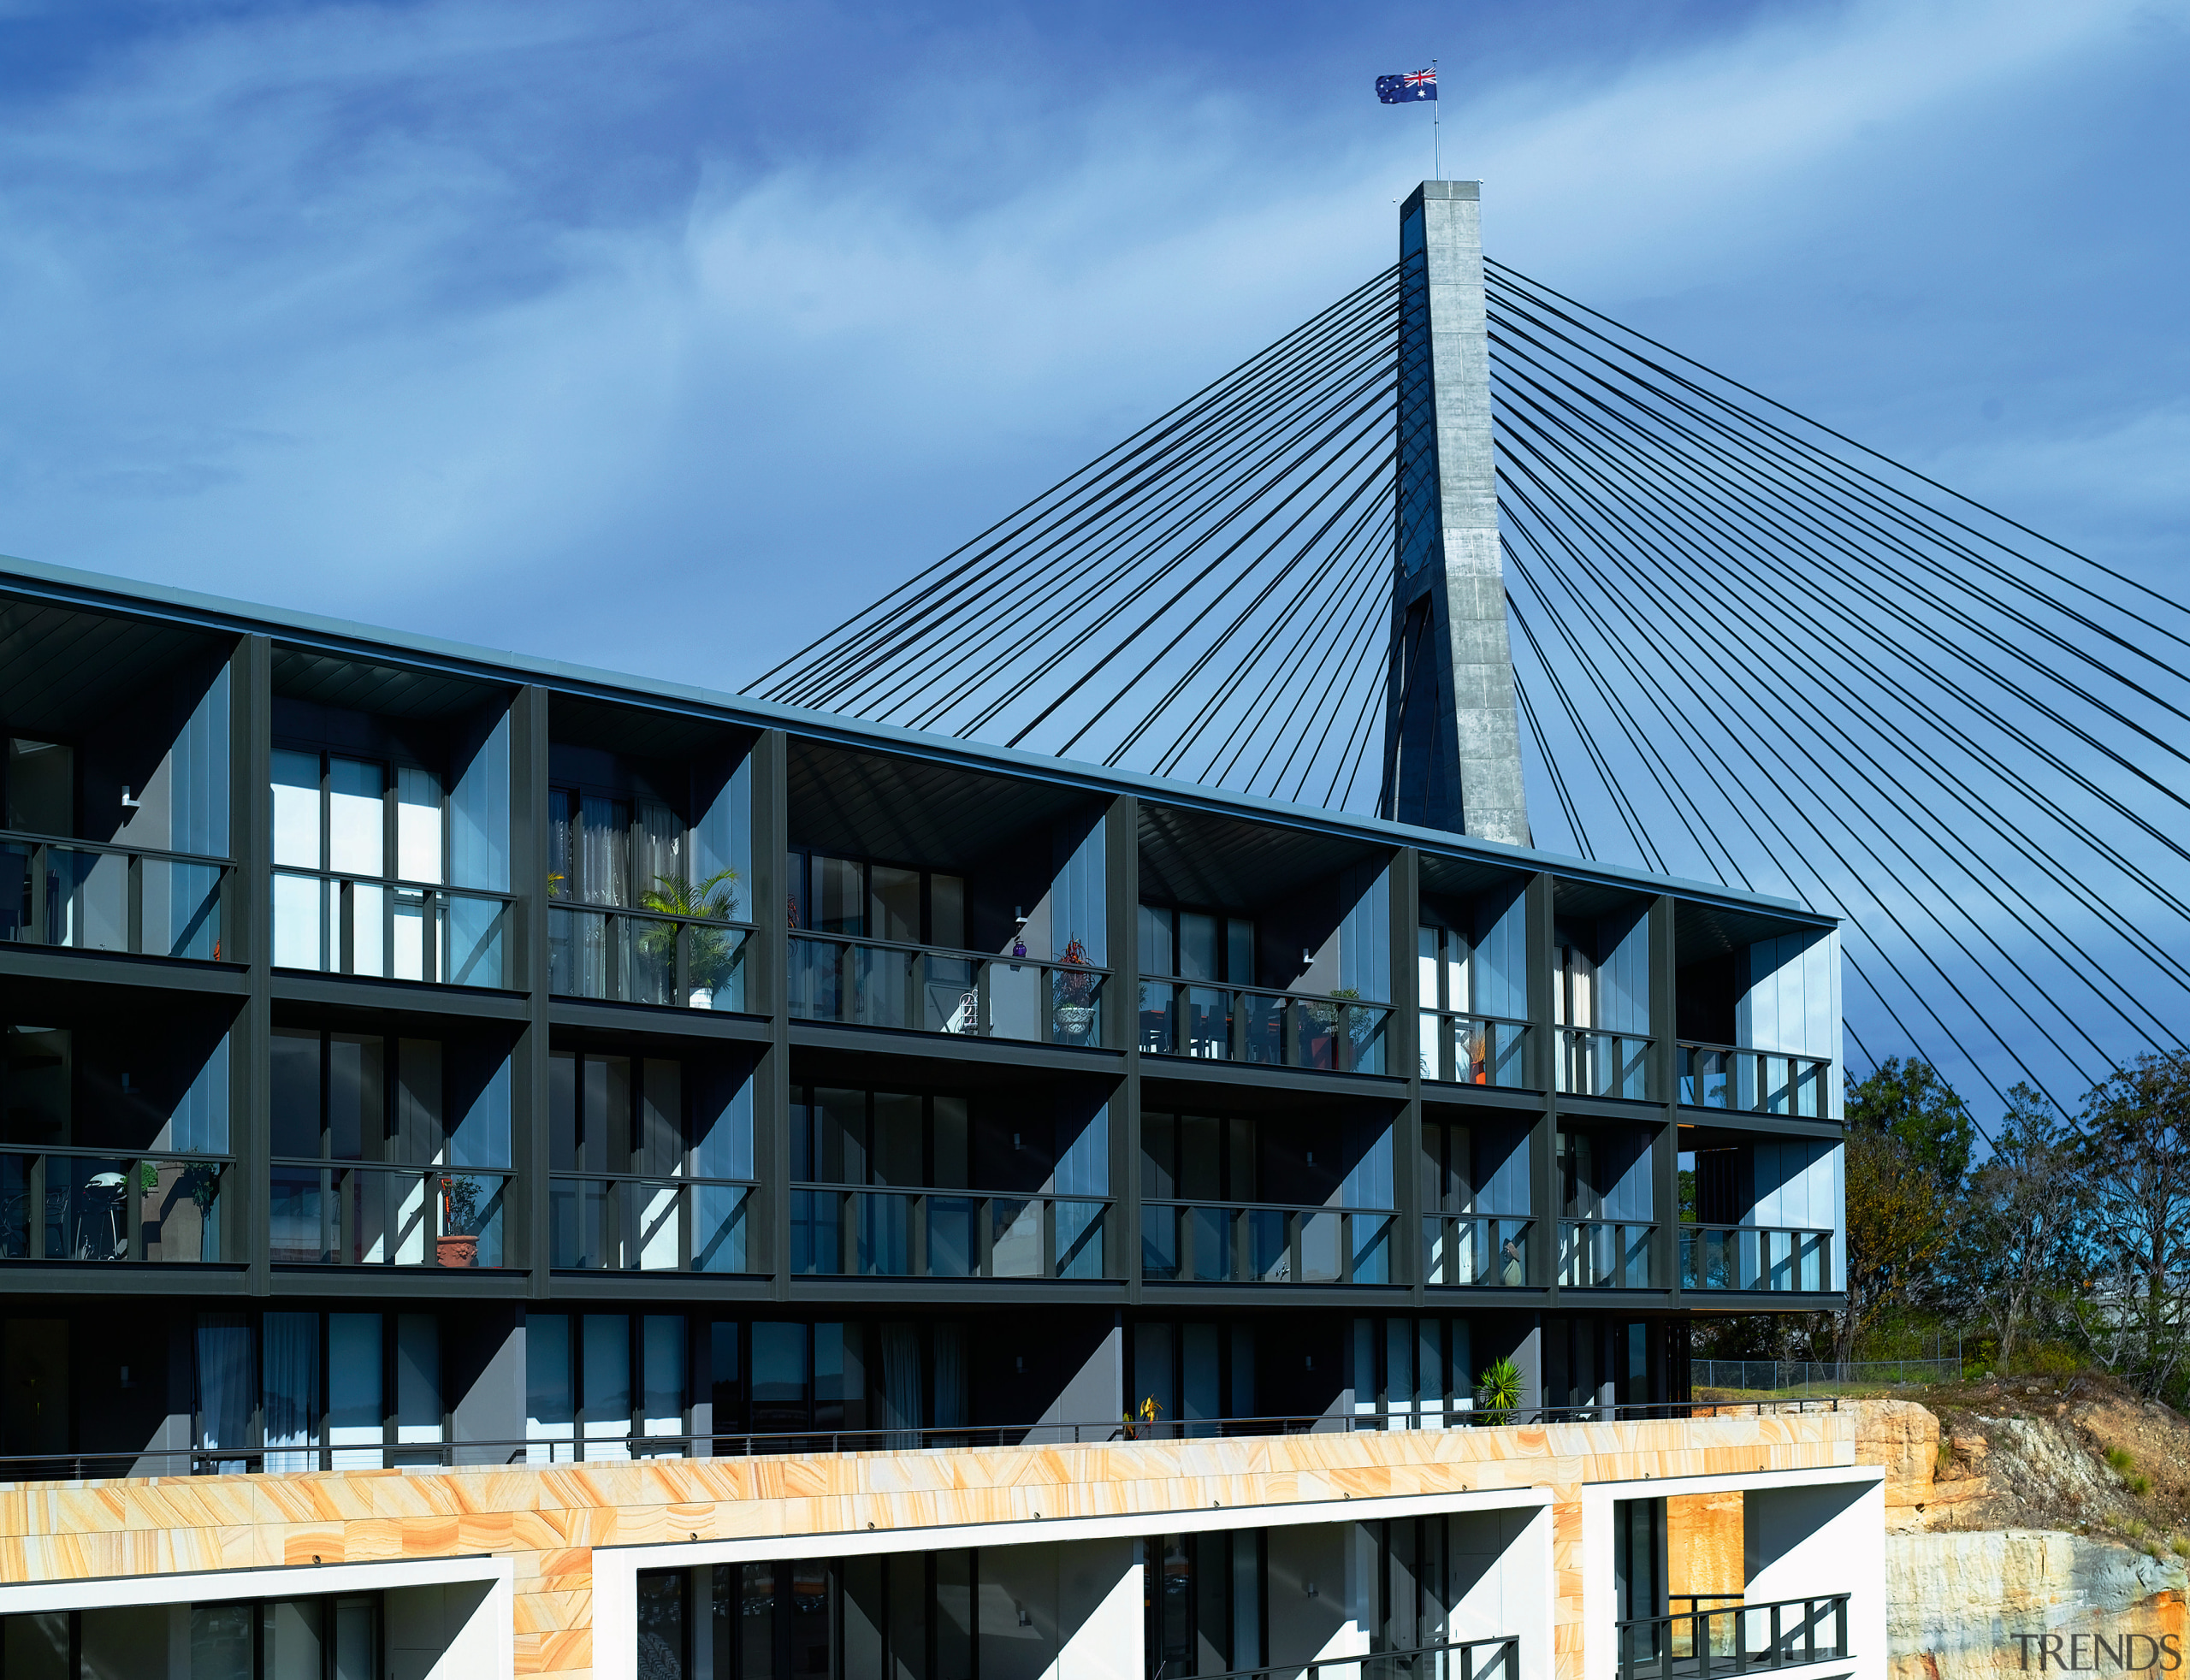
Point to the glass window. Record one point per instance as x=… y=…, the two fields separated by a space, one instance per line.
x=548 y=1402
x=562 y=839
x=296 y=808
x=894 y=905
x=660 y=1147
x=662 y=1373
x=356 y=837
x=780 y=1396
x=295 y=1092
x=659 y=843
x=839 y=896
x=291 y=1636
x=479 y=815
x=354 y=1417
x=355 y=1114
x=418 y=1377
x=946 y=896
x=724 y=1149
x=725 y=1373
x=1196 y=946
x=417 y=825
x=607 y=1352
x=290 y=1372
x=220 y=1641
x=604 y=857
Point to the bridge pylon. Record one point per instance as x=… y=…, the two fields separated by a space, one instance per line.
x=1452 y=729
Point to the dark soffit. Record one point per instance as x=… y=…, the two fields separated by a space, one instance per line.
x=384 y=690
x=58 y=667
x=1195 y=857
x=914 y=811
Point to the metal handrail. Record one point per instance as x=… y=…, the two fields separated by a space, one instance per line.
x=393 y=882
x=945 y=950
x=814 y=1441
x=1784 y=1646
x=1265 y=1207
x=1324 y=998
x=604 y=1177
x=1506 y=1664
x=24 y=837
x=555 y=902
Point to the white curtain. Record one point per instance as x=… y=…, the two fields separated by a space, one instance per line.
x=291 y=1377
x=227 y=1379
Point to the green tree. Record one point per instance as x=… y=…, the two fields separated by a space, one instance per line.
x=2026 y=1201
x=2135 y=1152
x=1898 y=1228
x=1911 y=1100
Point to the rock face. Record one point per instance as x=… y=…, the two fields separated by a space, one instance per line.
x=1960 y=1594
x=1956 y=1602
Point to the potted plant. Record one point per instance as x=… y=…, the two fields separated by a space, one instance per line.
x=1075 y=993
x=1498 y=1392
x=712 y=953
x=458 y=1244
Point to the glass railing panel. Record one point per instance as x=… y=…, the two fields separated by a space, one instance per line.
x=1018 y=1002
x=1269 y=1245
x=950 y=995
x=1371 y=1260
x=1016 y=1247
x=1595 y=1063
x=391 y=930
x=1479 y=1251
x=475 y=939
x=179 y=912
x=1158 y=1025
x=1080 y=1240
x=1368 y=1028
x=885 y=1248
x=624 y=957
x=18 y=907
x=1159 y=1242
x=1262 y=1028
x=1321 y=1239
x=719 y=1226
x=1209 y=1239
x=953 y=1236
x=87 y=899
x=469 y=1212
x=178 y=1211
x=1605 y=1254
x=1318 y=1043
x=816 y=1233
x=1754 y=1082
x=104 y=898
x=1205 y=1022
x=1754 y=1257
x=96 y=1207
x=577 y=1224
x=1475 y=1050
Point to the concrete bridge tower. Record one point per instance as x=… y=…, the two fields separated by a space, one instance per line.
x=1452 y=730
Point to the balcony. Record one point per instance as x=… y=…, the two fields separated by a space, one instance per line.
x=1710 y=1638
x=1482 y=1252
x=858 y=982
x=1759 y=1258
x=1473 y=1659
x=104 y=1206
x=1236 y=1242
x=1606 y=1254
x=1593 y=1063
x=1475 y=1050
x=1270 y=1029
x=81 y=896
x=1754 y=1082
x=352 y=1213
x=837 y=1231
x=626 y=1224
x=620 y=956
x=391 y=930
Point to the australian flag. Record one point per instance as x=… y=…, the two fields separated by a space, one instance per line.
x=1403 y=90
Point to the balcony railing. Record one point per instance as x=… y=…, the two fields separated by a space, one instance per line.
x=1484 y=1251
x=924 y=989
x=1239 y=1242
x=1754 y=1082
x=629 y=1224
x=1605 y=1254
x=1707 y=1640
x=1472 y=1659
x=1595 y=1063
x=1272 y=1029
x=839 y=1231
x=391 y=930
x=358 y=1213
x=1757 y=1258
x=83 y=1205
x=1475 y=1050
x=626 y=957
x=88 y=897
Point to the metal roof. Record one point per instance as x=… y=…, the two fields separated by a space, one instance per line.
x=376 y=645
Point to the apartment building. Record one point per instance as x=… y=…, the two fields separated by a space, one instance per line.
x=512 y=1169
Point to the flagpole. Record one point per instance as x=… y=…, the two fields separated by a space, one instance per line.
x=1436 y=147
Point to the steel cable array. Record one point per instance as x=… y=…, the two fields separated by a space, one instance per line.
x=1748 y=650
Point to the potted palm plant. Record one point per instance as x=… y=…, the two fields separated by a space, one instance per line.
x=1498 y=1392
x=712 y=953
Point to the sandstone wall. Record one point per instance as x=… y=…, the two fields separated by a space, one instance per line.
x=1955 y=1602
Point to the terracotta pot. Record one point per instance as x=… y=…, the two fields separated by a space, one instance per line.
x=458 y=1252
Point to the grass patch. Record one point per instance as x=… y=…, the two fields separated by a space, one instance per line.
x=2125 y=1466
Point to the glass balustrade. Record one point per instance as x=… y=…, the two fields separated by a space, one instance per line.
x=391 y=930
x=837 y=1231
x=1475 y=1050
x=670 y=961
x=1274 y=1029
x=1483 y=1250
x=1593 y=1063
x=91 y=897
x=917 y=988
x=648 y=1225
x=1763 y=1259
x=353 y=1213
x=1754 y=1082
x=1234 y=1242
x=59 y=1204
x=1605 y=1254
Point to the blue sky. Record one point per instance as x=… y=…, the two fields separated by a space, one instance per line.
x=659 y=335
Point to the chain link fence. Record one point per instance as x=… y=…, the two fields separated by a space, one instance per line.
x=1810 y=1376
